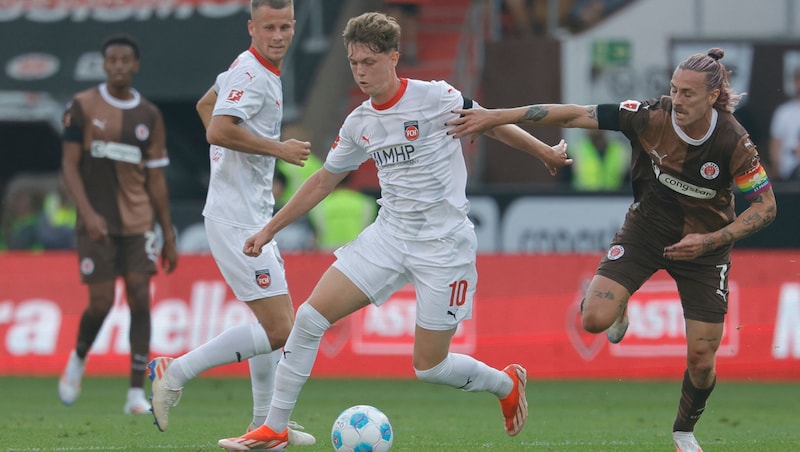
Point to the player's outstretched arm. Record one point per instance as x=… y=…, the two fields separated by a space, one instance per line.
x=475 y=121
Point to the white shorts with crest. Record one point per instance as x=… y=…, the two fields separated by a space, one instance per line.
x=250 y=278
x=442 y=271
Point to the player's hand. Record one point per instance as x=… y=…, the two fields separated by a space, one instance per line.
x=295 y=152
x=169 y=254
x=254 y=243
x=471 y=122
x=558 y=158
x=96 y=226
x=690 y=247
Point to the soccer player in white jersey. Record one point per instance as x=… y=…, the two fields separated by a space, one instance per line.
x=422 y=234
x=243 y=126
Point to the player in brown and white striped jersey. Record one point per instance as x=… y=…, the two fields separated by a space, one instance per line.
x=114 y=154
x=688 y=151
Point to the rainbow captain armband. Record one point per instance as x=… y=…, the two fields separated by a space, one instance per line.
x=753 y=182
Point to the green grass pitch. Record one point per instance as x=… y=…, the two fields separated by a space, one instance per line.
x=564 y=416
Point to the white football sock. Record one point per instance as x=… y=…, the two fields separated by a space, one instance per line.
x=135 y=393
x=235 y=344
x=299 y=355
x=262 y=381
x=468 y=374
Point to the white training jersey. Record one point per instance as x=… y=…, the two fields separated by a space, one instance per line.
x=240 y=187
x=421 y=169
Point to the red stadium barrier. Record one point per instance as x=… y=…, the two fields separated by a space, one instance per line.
x=526 y=311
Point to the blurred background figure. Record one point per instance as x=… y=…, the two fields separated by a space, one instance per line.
x=526 y=17
x=601 y=163
x=21 y=221
x=407 y=15
x=298 y=236
x=341 y=216
x=784 y=142
x=293 y=175
x=585 y=14
x=57 y=222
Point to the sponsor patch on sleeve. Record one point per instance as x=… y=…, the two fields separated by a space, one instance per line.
x=235 y=95
x=630 y=105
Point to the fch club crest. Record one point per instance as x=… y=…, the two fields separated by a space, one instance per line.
x=411 y=130
x=262 y=278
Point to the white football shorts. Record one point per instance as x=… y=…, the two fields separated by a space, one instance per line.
x=250 y=278
x=442 y=271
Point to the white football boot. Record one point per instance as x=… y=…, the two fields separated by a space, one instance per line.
x=685 y=442
x=617 y=330
x=69 y=385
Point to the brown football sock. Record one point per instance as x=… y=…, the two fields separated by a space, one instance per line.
x=87 y=332
x=692 y=404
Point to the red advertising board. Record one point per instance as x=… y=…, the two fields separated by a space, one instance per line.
x=526 y=311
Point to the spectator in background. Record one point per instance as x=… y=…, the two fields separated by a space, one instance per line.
x=407 y=14
x=21 y=221
x=114 y=155
x=298 y=236
x=585 y=14
x=527 y=17
x=784 y=143
x=341 y=216
x=293 y=176
x=601 y=164
x=57 y=222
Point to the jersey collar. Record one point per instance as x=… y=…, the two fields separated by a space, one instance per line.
x=133 y=102
x=264 y=62
x=391 y=102
x=690 y=140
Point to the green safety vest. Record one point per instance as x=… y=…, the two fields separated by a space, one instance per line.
x=591 y=171
x=341 y=216
x=296 y=175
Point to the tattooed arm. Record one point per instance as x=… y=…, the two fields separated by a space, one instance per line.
x=757 y=216
x=475 y=121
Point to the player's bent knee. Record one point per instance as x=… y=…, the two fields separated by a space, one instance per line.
x=701 y=363
x=593 y=324
x=436 y=374
x=309 y=322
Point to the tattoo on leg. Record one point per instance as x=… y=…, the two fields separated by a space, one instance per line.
x=608 y=295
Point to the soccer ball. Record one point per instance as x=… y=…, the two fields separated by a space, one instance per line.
x=362 y=428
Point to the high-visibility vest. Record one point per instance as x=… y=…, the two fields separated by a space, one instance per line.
x=341 y=216
x=296 y=175
x=592 y=171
